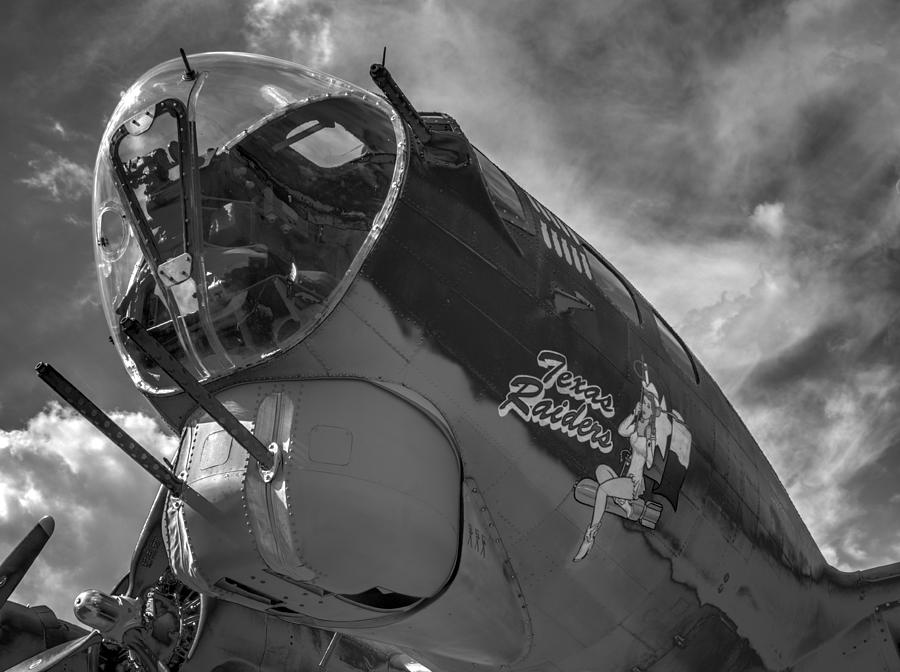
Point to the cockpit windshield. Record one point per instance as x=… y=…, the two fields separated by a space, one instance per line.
x=232 y=212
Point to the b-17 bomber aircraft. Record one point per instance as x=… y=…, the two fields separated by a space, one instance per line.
x=423 y=424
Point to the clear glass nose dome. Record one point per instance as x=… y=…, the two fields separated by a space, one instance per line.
x=234 y=205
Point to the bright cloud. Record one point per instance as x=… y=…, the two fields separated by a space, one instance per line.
x=74 y=220
x=732 y=164
x=745 y=185
x=769 y=217
x=63 y=131
x=58 y=464
x=59 y=177
x=298 y=30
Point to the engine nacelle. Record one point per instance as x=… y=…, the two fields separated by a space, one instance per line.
x=112 y=615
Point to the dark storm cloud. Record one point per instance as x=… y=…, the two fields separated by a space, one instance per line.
x=816 y=357
x=873 y=521
x=737 y=160
x=56 y=99
x=770 y=126
x=830 y=404
x=711 y=124
x=829 y=395
x=691 y=115
x=632 y=88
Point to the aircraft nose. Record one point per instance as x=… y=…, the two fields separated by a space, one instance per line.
x=230 y=237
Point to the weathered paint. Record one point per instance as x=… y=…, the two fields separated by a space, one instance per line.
x=447 y=308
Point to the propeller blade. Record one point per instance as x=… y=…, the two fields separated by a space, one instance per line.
x=51 y=657
x=17 y=563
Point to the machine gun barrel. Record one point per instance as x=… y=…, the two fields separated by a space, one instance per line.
x=173 y=368
x=382 y=77
x=110 y=429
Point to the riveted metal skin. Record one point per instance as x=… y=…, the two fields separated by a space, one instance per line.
x=328 y=540
x=545 y=409
x=447 y=309
x=870 y=644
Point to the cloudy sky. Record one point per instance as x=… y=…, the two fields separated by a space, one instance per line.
x=738 y=161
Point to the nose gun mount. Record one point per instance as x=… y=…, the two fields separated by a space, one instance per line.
x=438 y=138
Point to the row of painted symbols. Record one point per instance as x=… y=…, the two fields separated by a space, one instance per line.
x=558 y=237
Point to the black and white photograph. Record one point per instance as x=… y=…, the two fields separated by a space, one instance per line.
x=450 y=336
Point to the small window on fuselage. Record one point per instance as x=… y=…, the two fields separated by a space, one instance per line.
x=503 y=195
x=611 y=285
x=676 y=349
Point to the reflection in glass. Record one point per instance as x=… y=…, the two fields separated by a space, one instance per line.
x=251 y=195
x=150 y=164
x=611 y=285
x=503 y=194
x=284 y=213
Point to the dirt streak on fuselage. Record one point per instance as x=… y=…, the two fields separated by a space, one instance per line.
x=445 y=306
x=736 y=539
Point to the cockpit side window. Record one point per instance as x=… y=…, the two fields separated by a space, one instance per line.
x=326 y=146
x=504 y=195
x=611 y=285
x=676 y=349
